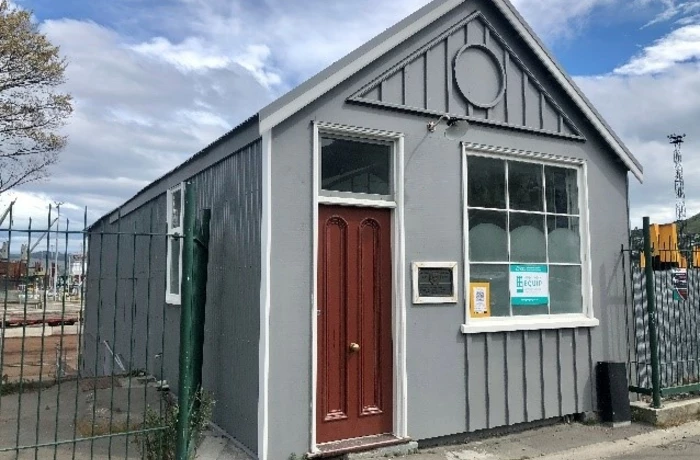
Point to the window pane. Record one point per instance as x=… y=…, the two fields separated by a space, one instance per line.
x=358 y=167
x=487 y=182
x=487 y=236
x=174 y=287
x=527 y=242
x=562 y=190
x=497 y=277
x=525 y=186
x=564 y=240
x=530 y=310
x=176 y=197
x=565 y=289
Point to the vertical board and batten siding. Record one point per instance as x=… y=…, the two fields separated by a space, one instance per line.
x=456 y=383
x=232 y=190
x=525 y=104
x=523 y=376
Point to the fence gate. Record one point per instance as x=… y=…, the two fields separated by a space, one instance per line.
x=664 y=334
x=85 y=357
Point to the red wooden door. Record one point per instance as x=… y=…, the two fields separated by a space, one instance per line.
x=355 y=377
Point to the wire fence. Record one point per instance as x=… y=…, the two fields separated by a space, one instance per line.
x=664 y=331
x=82 y=342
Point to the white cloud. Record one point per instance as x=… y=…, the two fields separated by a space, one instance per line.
x=136 y=117
x=679 y=46
x=189 y=55
x=255 y=60
x=644 y=109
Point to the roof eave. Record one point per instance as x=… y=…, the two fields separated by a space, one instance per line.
x=289 y=104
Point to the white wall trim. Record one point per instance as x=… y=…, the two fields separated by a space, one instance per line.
x=528 y=323
x=316 y=165
x=170 y=298
x=365 y=203
x=399 y=313
x=265 y=284
x=398 y=266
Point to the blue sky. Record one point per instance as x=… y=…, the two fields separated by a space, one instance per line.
x=154 y=81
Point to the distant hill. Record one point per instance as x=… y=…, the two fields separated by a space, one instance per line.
x=693 y=224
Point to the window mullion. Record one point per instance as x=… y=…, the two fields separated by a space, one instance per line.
x=510 y=303
x=546 y=238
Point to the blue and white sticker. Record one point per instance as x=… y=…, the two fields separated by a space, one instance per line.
x=529 y=285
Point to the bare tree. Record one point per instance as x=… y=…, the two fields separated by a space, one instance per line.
x=32 y=110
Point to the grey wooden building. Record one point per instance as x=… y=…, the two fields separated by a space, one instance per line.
x=422 y=240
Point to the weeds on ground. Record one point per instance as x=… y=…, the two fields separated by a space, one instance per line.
x=26 y=386
x=158 y=439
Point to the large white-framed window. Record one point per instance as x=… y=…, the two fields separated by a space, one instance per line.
x=175 y=218
x=526 y=241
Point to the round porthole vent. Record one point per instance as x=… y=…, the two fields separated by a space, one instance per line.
x=479 y=76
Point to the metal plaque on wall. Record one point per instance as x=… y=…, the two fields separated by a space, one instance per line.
x=435 y=282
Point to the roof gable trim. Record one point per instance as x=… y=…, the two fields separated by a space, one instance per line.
x=272 y=116
x=570 y=88
x=268 y=121
x=561 y=126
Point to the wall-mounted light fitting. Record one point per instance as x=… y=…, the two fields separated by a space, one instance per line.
x=456 y=128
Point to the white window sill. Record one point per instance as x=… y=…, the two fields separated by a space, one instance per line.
x=535 y=323
x=173 y=300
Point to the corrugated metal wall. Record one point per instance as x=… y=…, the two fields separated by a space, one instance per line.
x=232 y=190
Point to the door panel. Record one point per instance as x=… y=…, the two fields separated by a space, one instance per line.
x=334 y=376
x=354 y=391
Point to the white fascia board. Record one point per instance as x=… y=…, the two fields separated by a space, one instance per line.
x=278 y=115
x=268 y=121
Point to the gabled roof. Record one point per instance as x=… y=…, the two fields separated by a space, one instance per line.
x=326 y=80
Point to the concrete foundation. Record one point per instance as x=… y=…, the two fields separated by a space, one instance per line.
x=670 y=414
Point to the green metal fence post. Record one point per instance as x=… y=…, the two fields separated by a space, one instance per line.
x=651 y=310
x=199 y=293
x=186 y=377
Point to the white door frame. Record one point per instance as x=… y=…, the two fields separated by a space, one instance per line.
x=398 y=264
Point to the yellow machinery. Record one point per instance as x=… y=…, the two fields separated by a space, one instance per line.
x=664 y=238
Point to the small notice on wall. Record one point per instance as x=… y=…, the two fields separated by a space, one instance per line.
x=529 y=285
x=480 y=300
x=679 y=276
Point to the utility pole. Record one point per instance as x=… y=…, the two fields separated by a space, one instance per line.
x=55 y=273
x=679 y=184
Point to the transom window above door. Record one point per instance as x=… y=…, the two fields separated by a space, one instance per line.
x=356 y=167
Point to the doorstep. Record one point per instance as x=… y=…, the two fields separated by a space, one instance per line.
x=366 y=446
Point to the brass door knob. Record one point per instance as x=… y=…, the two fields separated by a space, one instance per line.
x=354 y=347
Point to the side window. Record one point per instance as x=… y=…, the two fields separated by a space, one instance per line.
x=175 y=197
